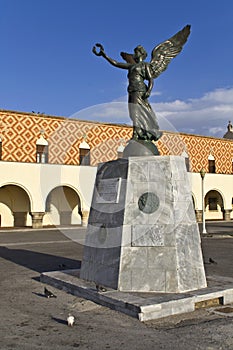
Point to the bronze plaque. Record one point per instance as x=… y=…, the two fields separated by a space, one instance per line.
x=148 y=202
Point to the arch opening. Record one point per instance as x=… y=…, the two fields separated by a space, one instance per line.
x=214 y=205
x=63 y=207
x=15 y=207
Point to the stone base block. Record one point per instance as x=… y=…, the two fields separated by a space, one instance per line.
x=142 y=233
x=143 y=306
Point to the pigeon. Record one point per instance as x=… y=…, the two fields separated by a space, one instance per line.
x=100 y=288
x=211 y=261
x=48 y=294
x=70 y=320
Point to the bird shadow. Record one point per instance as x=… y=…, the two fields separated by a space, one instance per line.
x=39 y=294
x=59 y=320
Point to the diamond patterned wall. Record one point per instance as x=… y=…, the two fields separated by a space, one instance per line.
x=20 y=131
x=199 y=148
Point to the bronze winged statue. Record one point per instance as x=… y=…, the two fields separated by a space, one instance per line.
x=145 y=124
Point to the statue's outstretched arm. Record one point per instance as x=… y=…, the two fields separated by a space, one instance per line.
x=109 y=59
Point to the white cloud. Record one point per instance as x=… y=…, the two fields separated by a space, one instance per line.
x=112 y=112
x=217 y=130
x=207 y=115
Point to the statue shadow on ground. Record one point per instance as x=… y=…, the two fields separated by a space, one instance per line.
x=39 y=262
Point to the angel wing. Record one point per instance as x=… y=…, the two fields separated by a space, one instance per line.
x=128 y=57
x=163 y=53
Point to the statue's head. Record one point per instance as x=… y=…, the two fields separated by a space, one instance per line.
x=139 y=51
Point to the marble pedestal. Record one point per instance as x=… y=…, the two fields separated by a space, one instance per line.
x=142 y=233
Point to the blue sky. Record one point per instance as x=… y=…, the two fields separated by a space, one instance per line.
x=46 y=63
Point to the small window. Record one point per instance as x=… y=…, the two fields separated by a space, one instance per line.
x=84 y=156
x=187 y=163
x=186 y=159
x=213 y=203
x=119 y=154
x=120 y=150
x=211 y=166
x=41 y=154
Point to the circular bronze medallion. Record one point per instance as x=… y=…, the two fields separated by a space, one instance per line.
x=148 y=202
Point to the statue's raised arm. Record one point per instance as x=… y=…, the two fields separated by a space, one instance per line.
x=109 y=59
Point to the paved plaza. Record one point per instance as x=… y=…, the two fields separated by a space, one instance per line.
x=31 y=321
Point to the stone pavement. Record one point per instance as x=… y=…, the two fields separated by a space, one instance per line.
x=31 y=321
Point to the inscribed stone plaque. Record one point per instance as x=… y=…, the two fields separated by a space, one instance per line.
x=108 y=190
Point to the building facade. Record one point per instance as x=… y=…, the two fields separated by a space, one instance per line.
x=48 y=166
